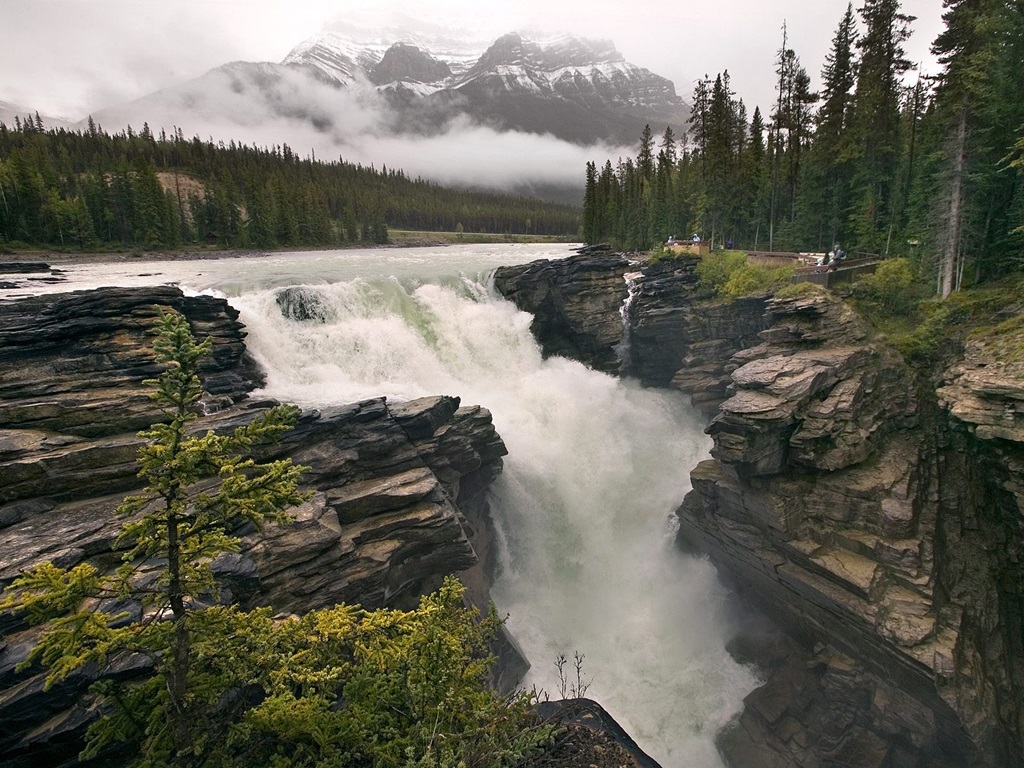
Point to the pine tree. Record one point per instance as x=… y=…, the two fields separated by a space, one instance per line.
x=177 y=525
x=590 y=205
x=965 y=49
x=875 y=119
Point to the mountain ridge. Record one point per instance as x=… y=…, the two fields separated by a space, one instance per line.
x=578 y=90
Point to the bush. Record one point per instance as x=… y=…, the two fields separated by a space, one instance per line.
x=715 y=269
x=751 y=279
x=798 y=290
x=890 y=289
x=384 y=689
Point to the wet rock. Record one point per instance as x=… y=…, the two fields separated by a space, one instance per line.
x=575 y=303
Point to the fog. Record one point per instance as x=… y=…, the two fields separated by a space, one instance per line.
x=355 y=124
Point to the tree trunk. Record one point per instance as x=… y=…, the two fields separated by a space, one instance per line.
x=177 y=674
x=947 y=264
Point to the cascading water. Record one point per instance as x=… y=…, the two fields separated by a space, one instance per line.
x=625 y=347
x=595 y=467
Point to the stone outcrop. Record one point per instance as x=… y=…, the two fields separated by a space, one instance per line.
x=648 y=320
x=679 y=336
x=395 y=483
x=575 y=302
x=835 y=504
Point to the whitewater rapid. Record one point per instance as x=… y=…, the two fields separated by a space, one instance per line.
x=584 y=506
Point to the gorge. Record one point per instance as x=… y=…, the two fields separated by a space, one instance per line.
x=583 y=559
x=872 y=509
x=873 y=515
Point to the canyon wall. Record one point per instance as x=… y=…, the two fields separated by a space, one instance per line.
x=400 y=487
x=873 y=511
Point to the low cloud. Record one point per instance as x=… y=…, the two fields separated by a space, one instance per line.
x=269 y=105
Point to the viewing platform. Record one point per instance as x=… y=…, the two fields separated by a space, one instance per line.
x=846 y=271
x=688 y=247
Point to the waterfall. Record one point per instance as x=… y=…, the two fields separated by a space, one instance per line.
x=594 y=470
x=625 y=347
x=595 y=466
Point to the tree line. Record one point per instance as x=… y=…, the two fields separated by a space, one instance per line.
x=930 y=170
x=88 y=189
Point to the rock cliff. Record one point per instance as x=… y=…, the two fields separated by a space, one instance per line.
x=395 y=482
x=873 y=512
x=575 y=302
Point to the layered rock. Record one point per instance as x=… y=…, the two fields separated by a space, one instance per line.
x=680 y=336
x=394 y=482
x=575 y=303
x=824 y=503
x=648 y=320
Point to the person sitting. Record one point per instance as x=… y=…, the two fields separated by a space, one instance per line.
x=696 y=237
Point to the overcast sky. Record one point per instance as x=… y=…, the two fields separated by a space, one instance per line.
x=68 y=58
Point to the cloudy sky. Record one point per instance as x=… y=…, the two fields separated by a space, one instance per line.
x=70 y=57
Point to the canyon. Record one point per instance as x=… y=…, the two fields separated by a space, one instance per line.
x=871 y=509
x=867 y=512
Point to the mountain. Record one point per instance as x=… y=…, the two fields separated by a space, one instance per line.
x=576 y=89
x=9 y=111
x=352 y=81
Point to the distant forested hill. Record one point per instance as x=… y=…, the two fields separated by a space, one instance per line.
x=89 y=189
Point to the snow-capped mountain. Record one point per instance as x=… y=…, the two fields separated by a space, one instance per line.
x=577 y=89
x=346 y=50
x=377 y=92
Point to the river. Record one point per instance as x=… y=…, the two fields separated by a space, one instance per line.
x=595 y=468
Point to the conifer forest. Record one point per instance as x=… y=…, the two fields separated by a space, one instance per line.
x=880 y=161
x=89 y=189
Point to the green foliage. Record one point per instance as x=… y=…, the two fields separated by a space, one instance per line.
x=751 y=279
x=715 y=269
x=413 y=686
x=892 y=289
x=798 y=290
x=990 y=313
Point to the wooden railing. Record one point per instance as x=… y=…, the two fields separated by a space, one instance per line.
x=827 y=275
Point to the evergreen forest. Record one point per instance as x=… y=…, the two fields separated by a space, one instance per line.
x=878 y=161
x=88 y=189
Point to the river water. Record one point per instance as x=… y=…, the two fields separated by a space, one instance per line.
x=595 y=468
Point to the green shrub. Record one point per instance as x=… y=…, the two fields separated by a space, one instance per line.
x=751 y=279
x=715 y=269
x=891 y=289
x=387 y=689
x=798 y=290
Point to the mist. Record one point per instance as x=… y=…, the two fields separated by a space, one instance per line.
x=269 y=105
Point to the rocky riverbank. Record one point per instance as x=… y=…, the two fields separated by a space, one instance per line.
x=872 y=512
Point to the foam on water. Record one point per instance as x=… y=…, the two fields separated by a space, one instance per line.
x=595 y=468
